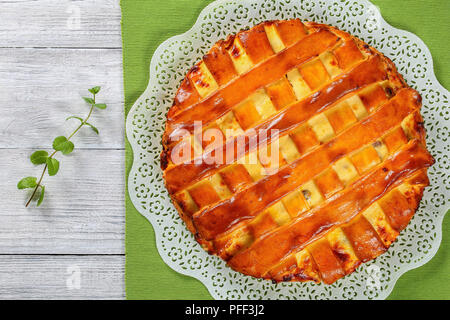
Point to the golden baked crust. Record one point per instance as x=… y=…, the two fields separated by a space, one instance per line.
x=351 y=151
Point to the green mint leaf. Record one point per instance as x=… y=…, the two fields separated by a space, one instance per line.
x=39 y=157
x=94 y=90
x=41 y=196
x=28 y=182
x=100 y=105
x=53 y=166
x=58 y=141
x=74 y=117
x=93 y=128
x=68 y=148
x=62 y=144
x=89 y=100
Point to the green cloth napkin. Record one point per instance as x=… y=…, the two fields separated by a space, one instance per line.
x=147 y=23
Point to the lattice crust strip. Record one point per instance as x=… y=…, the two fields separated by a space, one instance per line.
x=350 y=165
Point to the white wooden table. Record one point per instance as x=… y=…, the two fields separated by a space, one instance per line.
x=51 y=51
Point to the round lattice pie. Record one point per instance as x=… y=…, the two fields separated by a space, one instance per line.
x=295 y=152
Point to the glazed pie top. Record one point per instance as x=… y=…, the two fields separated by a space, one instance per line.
x=351 y=152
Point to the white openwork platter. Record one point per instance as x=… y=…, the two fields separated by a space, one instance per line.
x=145 y=125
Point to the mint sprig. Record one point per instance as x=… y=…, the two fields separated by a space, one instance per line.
x=60 y=144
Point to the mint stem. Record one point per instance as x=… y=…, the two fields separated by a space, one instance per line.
x=45 y=167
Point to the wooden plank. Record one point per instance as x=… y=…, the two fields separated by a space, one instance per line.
x=39 y=88
x=56 y=277
x=83 y=212
x=63 y=23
